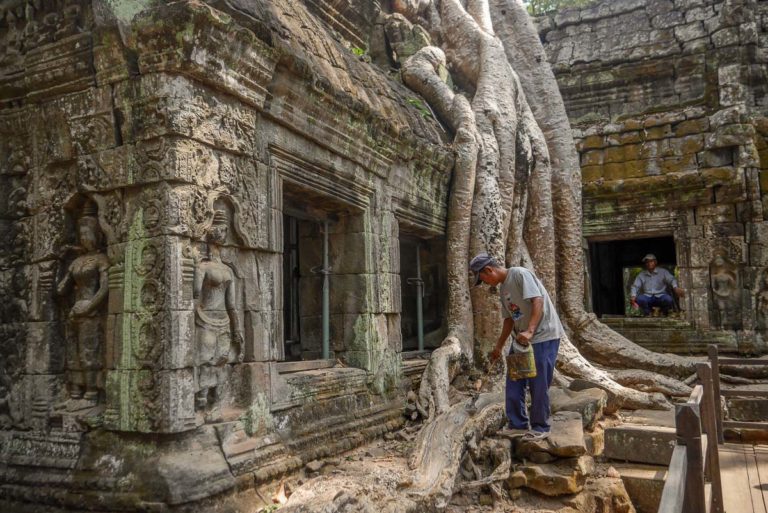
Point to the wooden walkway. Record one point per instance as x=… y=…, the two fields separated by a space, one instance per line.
x=744 y=471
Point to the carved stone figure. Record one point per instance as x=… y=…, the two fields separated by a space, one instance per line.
x=218 y=336
x=87 y=275
x=762 y=303
x=725 y=292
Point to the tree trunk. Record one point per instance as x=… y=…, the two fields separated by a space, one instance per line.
x=522 y=211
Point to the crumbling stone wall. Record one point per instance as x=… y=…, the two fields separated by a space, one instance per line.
x=147 y=154
x=668 y=103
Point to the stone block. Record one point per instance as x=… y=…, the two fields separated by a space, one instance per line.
x=644 y=484
x=594 y=173
x=588 y=403
x=728 y=36
x=591 y=158
x=252 y=383
x=388 y=293
x=594 y=441
x=45 y=348
x=567 y=436
x=593 y=142
x=263 y=335
x=690 y=31
x=150 y=402
x=667 y=20
x=564 y=477
x=163 y=340
x=691 y=127
x=193 y=474
x=640 y=444
x=748 y=410
x=351 y=253
x=352 y=293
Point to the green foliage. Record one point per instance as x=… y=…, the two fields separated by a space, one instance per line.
x=538 y=7
x=269 y=509
x=425 y=112
x=359 y=51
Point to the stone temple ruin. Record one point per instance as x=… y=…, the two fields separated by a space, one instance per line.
x=170 y=186
x=179 y=180
x=668 y=101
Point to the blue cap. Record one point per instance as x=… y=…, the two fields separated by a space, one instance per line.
x=480 y=262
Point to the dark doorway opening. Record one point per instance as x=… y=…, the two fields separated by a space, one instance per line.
x=613 y=264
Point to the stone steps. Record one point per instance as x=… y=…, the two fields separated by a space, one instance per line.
x=644 y=484
x=646 y=437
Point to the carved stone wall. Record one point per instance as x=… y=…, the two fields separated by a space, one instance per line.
x=146 y=153
x=667 y=99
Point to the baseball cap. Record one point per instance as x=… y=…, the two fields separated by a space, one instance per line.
x=477 y=264
x=649 y=256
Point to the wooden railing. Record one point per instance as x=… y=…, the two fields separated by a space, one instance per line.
x=693 y=483
x=693 y=480
x=716 y=362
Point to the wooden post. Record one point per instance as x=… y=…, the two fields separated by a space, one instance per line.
x=688 y=427
x=716 y=398
x=708 y=414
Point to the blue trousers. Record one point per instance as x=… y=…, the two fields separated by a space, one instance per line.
x=647 y=302
x=545 y=354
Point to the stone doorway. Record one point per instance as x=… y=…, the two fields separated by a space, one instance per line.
x=614 y=265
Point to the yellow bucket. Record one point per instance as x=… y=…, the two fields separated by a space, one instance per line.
x=521 y=363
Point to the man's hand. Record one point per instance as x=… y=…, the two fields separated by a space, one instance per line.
x=495 y=355
x=679 y=292
x=633 y=302
x=524 y=337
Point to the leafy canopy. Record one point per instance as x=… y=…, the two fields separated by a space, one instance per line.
x=538 y=7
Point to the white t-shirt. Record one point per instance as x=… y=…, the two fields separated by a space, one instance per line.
x=516 y=293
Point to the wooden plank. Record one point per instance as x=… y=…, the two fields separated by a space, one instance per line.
x=674 y=487
x=715 y=363
x=761 y=455
x=736 y=497
x=755 y=491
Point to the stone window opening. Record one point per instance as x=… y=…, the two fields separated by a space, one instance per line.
x=423 y=284
x=310 y=223
x=613 y=266
x=304 y=271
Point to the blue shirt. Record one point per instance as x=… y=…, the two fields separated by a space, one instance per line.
x=653 y=283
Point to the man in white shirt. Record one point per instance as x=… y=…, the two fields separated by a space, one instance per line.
x=528 y=310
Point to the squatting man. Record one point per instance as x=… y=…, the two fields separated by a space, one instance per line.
x=528 y=311
x=649 y=290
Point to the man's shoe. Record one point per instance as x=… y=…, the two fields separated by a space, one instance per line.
x=512 y=432
x=536 y=435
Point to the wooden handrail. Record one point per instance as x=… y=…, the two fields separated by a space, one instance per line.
x=709 y=424
x=695 y=459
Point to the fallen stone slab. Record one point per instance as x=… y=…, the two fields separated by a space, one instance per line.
x=567 y=436
x=566 y=440
x=590 y=403
x=640 y=444
x=563 y=477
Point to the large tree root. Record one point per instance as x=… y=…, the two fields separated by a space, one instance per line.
x=442 y=443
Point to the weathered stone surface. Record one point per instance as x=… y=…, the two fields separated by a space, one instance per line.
x=640 y=444
x=749 y=410
x=644 y=484
x=563 y=477
x=588 y=402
